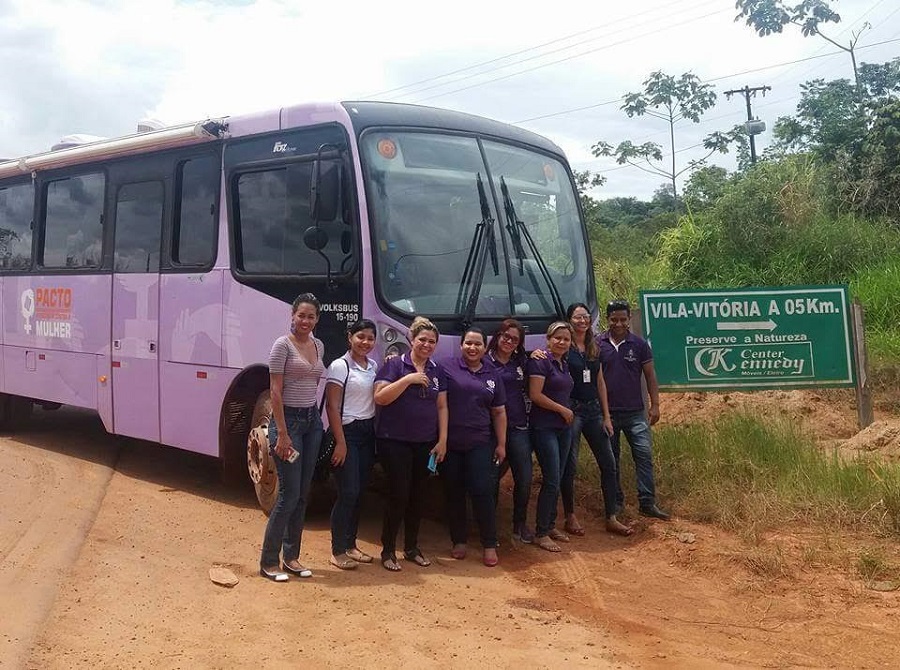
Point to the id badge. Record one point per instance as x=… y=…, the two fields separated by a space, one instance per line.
x=586 y=376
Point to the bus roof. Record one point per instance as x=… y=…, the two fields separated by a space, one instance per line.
x=365 y=114
x=174 y=136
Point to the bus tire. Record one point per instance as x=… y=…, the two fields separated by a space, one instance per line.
x=14 y=411
x=260 y=462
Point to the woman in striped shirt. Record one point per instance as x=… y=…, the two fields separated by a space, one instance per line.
x=295 y=435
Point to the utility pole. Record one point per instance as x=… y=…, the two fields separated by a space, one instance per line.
x=754 y=126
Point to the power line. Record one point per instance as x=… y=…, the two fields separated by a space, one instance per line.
x=564 y=38
x=714 y=79
x=568 y=58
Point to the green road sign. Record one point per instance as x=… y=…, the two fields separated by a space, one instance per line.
x=797 y=336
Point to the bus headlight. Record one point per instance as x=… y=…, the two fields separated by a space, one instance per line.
x=395 y=349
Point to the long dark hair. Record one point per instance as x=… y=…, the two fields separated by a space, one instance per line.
x=518 y=355
x=591 y=350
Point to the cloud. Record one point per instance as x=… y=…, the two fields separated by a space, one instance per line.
x=97 y=66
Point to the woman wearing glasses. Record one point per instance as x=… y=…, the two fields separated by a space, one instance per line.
x=506 y=352
x=476 y=443
x=412 y=424
x=591 y=419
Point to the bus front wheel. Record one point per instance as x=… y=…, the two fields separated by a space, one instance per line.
x=260 y=462
x=14 y=411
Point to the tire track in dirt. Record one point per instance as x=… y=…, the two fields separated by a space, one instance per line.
x=58 y=491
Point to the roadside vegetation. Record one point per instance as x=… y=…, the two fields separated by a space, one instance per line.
x=821 y=205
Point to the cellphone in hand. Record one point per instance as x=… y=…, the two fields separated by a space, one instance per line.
x=432 y=463
x=291 y=457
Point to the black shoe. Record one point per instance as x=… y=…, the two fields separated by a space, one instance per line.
x=654 y=512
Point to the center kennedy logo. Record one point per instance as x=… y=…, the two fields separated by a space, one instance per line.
x=788 y=360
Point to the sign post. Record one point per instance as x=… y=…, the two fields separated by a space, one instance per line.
x=784 y=337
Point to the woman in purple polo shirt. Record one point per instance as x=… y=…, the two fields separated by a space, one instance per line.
x=506 y=352
x=476 y=443
x=410 y=391
x=549 y=387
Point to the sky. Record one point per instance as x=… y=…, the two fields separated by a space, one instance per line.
x=559 y=69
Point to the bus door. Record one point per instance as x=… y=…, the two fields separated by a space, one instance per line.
x=138 y=211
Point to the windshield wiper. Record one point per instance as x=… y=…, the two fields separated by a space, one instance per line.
x=484 y=244
x=519 y=232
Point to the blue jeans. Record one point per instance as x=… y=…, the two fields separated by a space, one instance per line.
x=552 y=447
x=588 y=421
x=473 y=472
x=518 y=454
x=637 y=431
x=285 y=526
x=351 y=479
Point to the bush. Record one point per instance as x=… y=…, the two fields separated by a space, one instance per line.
x=763 y=471
x=772 y=228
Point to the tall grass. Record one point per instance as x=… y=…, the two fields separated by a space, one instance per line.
x=746 y=470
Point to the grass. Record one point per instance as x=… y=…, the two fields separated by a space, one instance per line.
x=748 y=471
x=872 y=565
x=749 y=475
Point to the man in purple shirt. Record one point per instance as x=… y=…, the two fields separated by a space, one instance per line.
x=625 y=358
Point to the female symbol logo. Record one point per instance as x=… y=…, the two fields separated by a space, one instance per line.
x=27 y=308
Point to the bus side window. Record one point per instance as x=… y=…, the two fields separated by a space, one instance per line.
x=73 y=222
x=139 y=212
x=194 y=230
x=272 y=215
x=16 y=210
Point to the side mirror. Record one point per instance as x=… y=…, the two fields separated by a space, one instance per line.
x=325 y=190
x=315 y=238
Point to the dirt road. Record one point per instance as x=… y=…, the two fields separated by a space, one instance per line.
x=107 y=543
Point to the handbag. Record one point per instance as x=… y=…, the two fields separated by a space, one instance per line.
x=326 y=450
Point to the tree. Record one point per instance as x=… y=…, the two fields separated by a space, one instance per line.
x=705 y=187
x=584 y=181
x=771 y=16
x=671 y=100
x=857 y=140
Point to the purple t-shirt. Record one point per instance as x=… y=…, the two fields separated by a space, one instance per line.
x=470 y=397
x=412 y=417
x=622 y=370
x=512 y=374
x=557 y=386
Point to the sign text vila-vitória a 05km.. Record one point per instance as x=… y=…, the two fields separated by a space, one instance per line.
x=794 y=337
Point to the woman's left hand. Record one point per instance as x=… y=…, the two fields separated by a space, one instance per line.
x=608 y=427
x=339 y=455
x=440 y=451
x=499 y=454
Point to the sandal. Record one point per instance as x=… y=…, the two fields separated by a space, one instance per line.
x=415 y=556
x=574 y=528
x=490 y=561
x=618 y=528
x=359 y=556
x=458 y=551
x=558 y=535
x=274 y=574
x=344 y=562
x=389 y=563
x=545 y=542
x=300 y=571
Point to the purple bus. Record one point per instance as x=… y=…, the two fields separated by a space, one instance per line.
x=146 y=277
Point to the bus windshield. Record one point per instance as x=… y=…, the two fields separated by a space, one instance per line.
x=430 y=223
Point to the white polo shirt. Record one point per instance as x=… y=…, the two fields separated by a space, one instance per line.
x=359 y=394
